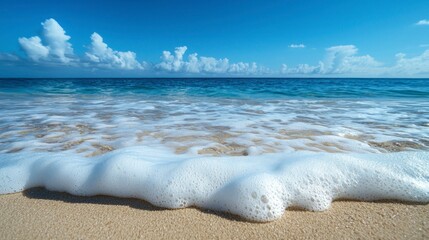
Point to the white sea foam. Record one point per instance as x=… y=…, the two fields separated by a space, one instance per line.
x=257 y=188
x=191 y=124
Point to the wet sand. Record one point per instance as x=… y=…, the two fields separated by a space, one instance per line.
x=40 y=214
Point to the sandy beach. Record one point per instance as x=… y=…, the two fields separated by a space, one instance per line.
x=40 y=214
x=214 y=120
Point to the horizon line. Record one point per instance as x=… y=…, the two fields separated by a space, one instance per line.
x=423 y=78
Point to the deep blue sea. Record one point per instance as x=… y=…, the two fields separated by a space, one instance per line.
x=252 y=147
x=246 y=88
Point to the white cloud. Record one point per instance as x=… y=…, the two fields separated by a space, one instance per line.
x=57 y=48
x=174 y=63
x=344 y=59
x=102 y=55
x=207 y=64
x=196 y=64
x=301 y=69
x=423 y=22
x=34 y=48
x=341 y=59
x=297 y=46
x=411 y=66
x=53 y=47
x=57 y=40
x=241 y=67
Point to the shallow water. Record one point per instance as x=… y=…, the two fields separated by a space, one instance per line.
x=214 y=116
x=234 y=125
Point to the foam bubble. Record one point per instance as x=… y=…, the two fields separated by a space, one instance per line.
x=257 y=188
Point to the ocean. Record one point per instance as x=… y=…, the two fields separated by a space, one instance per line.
x=249 y=146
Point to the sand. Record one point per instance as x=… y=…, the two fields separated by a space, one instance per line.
x=40 y=214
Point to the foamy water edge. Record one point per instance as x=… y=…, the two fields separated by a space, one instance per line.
x=257 y=188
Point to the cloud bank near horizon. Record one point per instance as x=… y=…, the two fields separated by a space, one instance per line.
x=53 y=49
x=195 y=64
x=339 y=60
x=344 y=59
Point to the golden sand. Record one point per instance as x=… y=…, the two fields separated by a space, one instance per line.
x=40 y=214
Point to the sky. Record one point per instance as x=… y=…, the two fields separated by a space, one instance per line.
x=254 y=38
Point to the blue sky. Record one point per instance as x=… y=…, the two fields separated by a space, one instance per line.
x=231 y=38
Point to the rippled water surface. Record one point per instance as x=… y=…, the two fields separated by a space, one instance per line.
x=214 y=116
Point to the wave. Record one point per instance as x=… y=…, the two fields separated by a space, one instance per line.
x=257 y=188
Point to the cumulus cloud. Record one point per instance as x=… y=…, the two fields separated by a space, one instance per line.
x=411 y=66
x=301 y=69
x=297 y=45
x=34 y=48
x=57 y=48
x=102 y=55
x=53 y=46
x=343 y=59
x=423 y=22
x=251 y=68
x=175 y=63
x=57 y=40
x=195 y=64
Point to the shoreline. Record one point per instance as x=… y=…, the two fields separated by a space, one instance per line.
x=38 y=213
